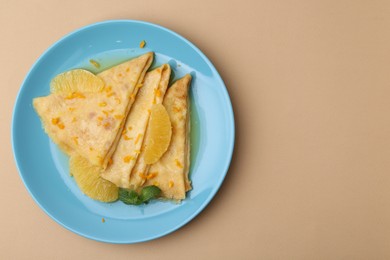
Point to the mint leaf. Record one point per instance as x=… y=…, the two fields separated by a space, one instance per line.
x=149 y=193
x=129 y=197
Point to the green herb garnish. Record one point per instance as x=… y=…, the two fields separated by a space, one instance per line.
x=149 y=193
x=131 y=197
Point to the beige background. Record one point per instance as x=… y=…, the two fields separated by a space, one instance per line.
x=310 y=85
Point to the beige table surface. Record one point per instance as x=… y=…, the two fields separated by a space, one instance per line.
x=310 y=85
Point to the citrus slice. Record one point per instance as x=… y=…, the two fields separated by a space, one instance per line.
x=158 y=134
x=76 y=80
x=89 y=181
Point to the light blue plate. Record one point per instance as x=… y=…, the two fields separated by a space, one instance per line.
x=44 y=169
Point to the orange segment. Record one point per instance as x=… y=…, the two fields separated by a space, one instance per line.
x=158 y=134
x=76 y=80
x=89 y=181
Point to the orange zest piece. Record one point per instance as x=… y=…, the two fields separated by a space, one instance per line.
x=142 y=44
x=157 y=92
x=94 y=63
x=137 y=139
x=127 y=138
x=127 y=158
x=76 y=140
x=119 y=117
x=151 y=175
x=178 y=164
x=102 y=104
x=108 y=89
x=55 y=120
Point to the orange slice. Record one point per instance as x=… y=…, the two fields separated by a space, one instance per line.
x=89 y=181
x=76 y=80
x=159 y=134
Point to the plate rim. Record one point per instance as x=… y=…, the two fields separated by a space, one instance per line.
x=230 y=118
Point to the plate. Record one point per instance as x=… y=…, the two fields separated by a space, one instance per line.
x=44 y=168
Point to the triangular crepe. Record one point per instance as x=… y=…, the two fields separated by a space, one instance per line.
x=170 y=173
x=90 y=123
x=129 y=146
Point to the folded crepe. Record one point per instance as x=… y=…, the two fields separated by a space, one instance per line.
x=170 y=173
x=130 y=143
x=90 y=123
